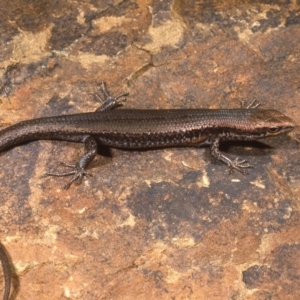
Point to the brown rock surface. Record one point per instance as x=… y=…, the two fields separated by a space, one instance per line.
x=161 y=224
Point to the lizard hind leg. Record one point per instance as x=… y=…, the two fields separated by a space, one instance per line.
x=78 y=170
x=109 y=102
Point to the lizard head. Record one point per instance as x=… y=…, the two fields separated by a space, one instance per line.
x=270 y=123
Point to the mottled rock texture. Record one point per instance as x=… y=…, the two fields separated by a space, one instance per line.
x=159 y=224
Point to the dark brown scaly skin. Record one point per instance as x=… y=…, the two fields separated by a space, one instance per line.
x=134 y=128
x=145 y=129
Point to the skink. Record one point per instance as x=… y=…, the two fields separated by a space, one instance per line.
x=134 y=129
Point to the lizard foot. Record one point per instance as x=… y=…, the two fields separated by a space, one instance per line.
x=77 y=171
x=239 y=165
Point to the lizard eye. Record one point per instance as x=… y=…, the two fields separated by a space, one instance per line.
x=273 y=130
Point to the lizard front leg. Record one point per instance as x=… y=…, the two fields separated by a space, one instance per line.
x=233 y=165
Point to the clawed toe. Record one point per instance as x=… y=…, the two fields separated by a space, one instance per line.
x=110 y=102
x=77 y=171
x=240 y=165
